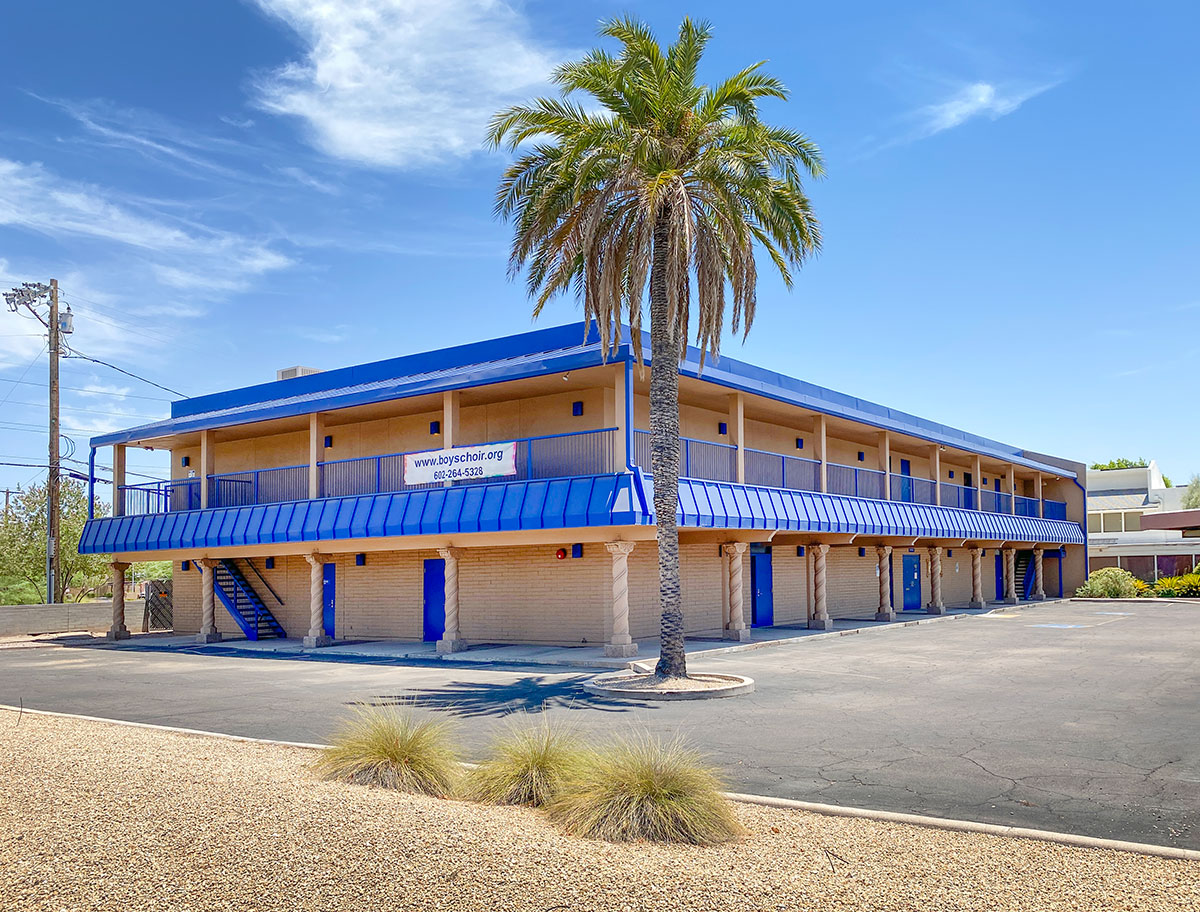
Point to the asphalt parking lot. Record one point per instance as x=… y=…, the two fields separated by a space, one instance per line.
x=1079 y=717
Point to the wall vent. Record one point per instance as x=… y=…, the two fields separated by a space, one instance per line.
x=290 y=373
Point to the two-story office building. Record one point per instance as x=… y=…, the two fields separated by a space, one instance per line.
x=501 y=492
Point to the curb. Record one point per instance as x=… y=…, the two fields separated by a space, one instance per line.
x=970 y=826
x=787 y=804
x=609 y=685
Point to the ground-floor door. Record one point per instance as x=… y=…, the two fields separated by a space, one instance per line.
x=999 y=575
x=911 y=572
x=329 y=599
x=762 y=587
x=435 y=599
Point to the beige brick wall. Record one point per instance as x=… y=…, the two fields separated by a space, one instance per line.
x=792 y=579
x=852 y=585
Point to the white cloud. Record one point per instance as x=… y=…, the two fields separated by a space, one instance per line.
x=184 y=254
x=978 y=99
x=403 y=83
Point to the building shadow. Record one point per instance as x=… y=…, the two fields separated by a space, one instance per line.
x=532 y=694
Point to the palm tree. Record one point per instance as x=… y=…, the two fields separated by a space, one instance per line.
x=661 y=177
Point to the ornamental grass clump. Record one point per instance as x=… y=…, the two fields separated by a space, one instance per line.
x=640 y=788
x=390 y=748
x=526 y=764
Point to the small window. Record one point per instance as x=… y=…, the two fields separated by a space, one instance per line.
x=1093 y=522
x=1112 y=522
x=1133 y=522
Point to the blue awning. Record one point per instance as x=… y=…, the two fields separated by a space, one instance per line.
x=562 y=503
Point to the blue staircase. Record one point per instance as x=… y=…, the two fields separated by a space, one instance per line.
x=244 y=604
x=1025 y=574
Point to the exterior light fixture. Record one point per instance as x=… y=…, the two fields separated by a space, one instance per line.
x=360 y=560
x=799 y=443
x=185 y=461
x=722 y=428
x=435 y=428
x=328 y=441
x=576 y=409
x=577 y=550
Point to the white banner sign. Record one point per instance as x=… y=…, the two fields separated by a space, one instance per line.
x=460 y=462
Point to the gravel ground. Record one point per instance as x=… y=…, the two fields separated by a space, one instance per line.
x=96 y=816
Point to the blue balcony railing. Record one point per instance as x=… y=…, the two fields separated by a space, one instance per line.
x=161 y=496
x=954 y=495
x=1025 y=506
x=1054 y=509
x=258 y=486
x=551 y=456
x=907 y=489
x=775 y=470
x=854 y=482
x=697 y=458
x=995 y=501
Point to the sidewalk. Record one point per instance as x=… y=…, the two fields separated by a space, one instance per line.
x=391 y=652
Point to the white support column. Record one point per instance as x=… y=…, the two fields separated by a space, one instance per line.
x=935 y=473
x=886 y=612
x=1037 y=494
x=621 y=644
x=819 y=440
x=885 y=463
x=207 y=463
x=1010 y=576
x=614 y=416
x=737 y=431
x=977 y=481
x=451 y=640
x=936 y=605
x=118 y=631
x=1011 y=479
x=1039 y=582
x=118 y=506
x=820 y=619
x=449 y=423
x=316 y=603
x=976 y=578
x=316 y=453
x=208 y=602
x=735 y=619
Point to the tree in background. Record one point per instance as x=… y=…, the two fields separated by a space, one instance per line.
x=23 y=547
x=656 y=179
x=1191 y=497
x=1139 y=463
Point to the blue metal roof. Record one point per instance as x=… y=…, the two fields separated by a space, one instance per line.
x=547 y=351
x=562 y=503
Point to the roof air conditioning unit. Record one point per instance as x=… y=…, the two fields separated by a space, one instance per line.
x=290 y=373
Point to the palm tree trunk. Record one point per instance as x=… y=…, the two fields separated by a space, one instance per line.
x=664 y=455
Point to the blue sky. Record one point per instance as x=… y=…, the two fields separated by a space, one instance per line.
x=225 y=188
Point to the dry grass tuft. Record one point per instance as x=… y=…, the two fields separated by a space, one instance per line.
x=527 y=764
x=642 y=788
x=390 y=748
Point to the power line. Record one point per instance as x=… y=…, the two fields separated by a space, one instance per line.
x=78 y=354
x=89 y=411
x=28 y=368
x=84 y=389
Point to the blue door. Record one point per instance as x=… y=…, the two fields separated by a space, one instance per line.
x=762 y=585
x=911 y=571
x=969 y=492
x=999 y=574
x=329 y=598
x=435 y=599
x=905 y=481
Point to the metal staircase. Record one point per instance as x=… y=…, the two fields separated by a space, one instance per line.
x=244 y=604
x=1025 y=574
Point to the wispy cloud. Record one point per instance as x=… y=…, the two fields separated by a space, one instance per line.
x=183 y=254
x=978 y=99
x=402 y=83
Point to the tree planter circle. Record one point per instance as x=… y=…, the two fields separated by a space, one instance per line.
x=639 y=686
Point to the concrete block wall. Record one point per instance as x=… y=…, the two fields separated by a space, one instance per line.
x=852 y=589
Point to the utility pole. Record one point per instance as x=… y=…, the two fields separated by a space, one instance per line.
x=52 y=489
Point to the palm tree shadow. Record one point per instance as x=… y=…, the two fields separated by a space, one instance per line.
x=531 y=693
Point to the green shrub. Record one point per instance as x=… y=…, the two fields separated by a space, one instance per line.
x=391 y=748
x=1186 y=586
x=1108 y=582
x=638 y=788
x=1143 y=588
x=527 y=764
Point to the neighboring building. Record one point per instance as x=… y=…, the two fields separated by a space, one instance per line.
x=500 y=492
x=1118 y=501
